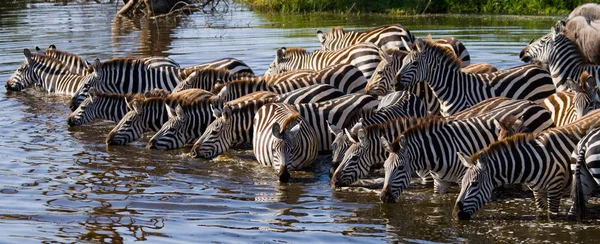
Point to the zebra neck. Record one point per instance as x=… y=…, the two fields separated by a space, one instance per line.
x=447 y=84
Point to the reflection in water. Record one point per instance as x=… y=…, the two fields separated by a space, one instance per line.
x=155 y=34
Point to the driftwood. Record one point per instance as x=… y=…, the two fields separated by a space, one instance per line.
x=152 y=7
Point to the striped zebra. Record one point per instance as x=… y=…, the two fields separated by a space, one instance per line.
x=345 y=77
x=564 y=57
x=206 y=78
x=186 y=123
x=46 y=72
x=540 y=161
x=233 y=124
x=561 y=107
x=364 y=154
x=365 y=56
x=586 y=96
x=137 y=75
x=283 y=139
x=358 y=156
x=149 y=113
x=385 y=37
x=76 y=64
x=586 y=160
x=432 y=145
x=440 y=68
x=99 y=105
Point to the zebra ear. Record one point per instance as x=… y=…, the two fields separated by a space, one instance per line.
x=333 y=129
x=350 y=137
x=281 y=53
x=216 y=112
x=27 y=55
x=464 y=159
x=406 y=46
x=483 y=160
x=52 y=47
x=573 y=85
x=359 y=125
x=296 y=127
x=553 y=33
x=179 y=111
x=419 y=44
x=276 y=130
x=320 y=36
x=386 y=144
x=362 y=136
x=96 y=65
x=39 y=50
x=170 y=111
x=134 y=105
x=92 y=92
x=402 y=141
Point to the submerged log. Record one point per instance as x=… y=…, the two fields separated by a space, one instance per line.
x=152 y=7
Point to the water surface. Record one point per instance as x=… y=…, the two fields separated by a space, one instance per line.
x=64 y=184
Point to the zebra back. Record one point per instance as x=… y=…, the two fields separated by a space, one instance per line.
x=206 y=78
x=76 y=64
x=234 y=66
x=385 y=37
x=561 y=107
x=345 y=77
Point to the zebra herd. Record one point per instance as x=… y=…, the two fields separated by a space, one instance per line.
x=371 y=99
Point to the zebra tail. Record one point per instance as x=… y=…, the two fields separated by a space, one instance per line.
x=578 y=198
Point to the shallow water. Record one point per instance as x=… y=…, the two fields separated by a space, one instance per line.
x=64 y=184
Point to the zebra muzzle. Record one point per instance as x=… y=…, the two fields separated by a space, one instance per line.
x=386 y=196
x=459 y=212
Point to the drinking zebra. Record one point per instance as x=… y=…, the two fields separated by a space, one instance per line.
x=441 y=69
x=365 y=151
x=565 y=59
x=46 y=72
x=385 y=37
x=365 y=56
x=283 y=139
x=76 y=64
x=432 y=145
x=586 y=96
x=233 y=124
x=540 y=161
x=149 y=113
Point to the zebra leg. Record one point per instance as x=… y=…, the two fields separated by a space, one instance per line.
x=426 y=177
x=540 y=199
x=554 y=195
x=440 y=186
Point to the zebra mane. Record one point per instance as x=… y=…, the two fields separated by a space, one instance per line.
x=259 y=95
x=295 y=50
x=57 y=63
x=337 y=29
x=118 y=63
x=422 y=124
x=197 y=100
x=509 y=142
x=385 y=123
x=130 y=95
x=439 y=49
x=292 y=118
x=182 y=97
x=396 y=53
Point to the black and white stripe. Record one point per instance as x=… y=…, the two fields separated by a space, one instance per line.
x=207 y=78
x=386 y=37
x=76 y=64
x=561 y=106
x=586 y=163
x=99 y=105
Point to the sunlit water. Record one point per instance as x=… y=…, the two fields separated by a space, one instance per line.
x=63 y=184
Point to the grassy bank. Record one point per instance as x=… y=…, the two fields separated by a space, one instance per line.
x=417 y=6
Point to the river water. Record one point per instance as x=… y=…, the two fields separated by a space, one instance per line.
x=64 y=184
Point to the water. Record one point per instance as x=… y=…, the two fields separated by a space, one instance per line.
x=64 y=184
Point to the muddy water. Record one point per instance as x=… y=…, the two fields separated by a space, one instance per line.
x=63 y=184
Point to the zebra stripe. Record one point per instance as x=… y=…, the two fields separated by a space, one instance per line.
x=206 y=78
x=586 y=94
x=564 y=58
x=345 y=77
x=432 y=145
x=561 y=107
x=283 y=139
x=586 y=163
x=359 y=156
x=76 y=64
x=235 y=66
x=149 y=113
x=541 y=161
x=440 y=68
x=50 y=74
x=232 y=125
x=99 y=105
x=386 y=37
x=365 y=56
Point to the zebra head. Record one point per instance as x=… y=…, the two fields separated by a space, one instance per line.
x=397 y=169
x=131 y=127
x=217 y=137
x=537 y=51
x=91 y=80
x=322 y=39
x=185 y=84
x=286 y=60
x=283 y=146
x=25 y=76
x=414 y=66
x=384 y=78
x=476 y=187
x=357 y=159
x=87 y=110
x=173 y=133
x=586 y=94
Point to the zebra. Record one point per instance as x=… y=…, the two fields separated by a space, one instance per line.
x=345 y=77
x=564 y=57
x=149 y=113
x=137 y=75
x=541 y=161
x=283 y=139
x=101 y=105
x=206 y=78
x=46 y=72
x=186 y=123
x=586 y=173
x=586 y=94
x=233 y=124
x=76 y=64
x=365 y=56
x=432 y=145
x=366 y=149
x=385 y=37
x=440 y=68
x=561 y=107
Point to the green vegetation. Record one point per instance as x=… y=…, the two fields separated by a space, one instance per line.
x=417 y=6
